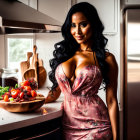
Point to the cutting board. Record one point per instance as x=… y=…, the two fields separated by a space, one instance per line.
x=25 y=64
x=39 y=73
x=30 y=72
x=36 y=70
x=42 y=74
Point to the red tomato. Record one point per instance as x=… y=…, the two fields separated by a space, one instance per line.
x=6 y=98
x=29 y=93
x=18 y=90
x=21 y=95
x=15 y=93
x=33 y=93
x=25 y=83
x=28 y=88
x=7 y=93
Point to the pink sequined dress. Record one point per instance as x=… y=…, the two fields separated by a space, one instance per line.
x=85 y=116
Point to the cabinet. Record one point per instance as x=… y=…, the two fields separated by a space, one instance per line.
x=132 y=1
x=24 y=1
x=108 y=12
x=31 y=3
x=49 y=130
x=55 y=8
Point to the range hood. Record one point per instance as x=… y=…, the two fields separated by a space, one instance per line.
x=16 y=17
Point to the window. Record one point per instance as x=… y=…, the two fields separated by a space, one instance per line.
x=17 y=48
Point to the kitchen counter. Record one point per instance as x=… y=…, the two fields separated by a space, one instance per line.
x=10 y=121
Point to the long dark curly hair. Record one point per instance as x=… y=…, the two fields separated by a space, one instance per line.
x=67 y=48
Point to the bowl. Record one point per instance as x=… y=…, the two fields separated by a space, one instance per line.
x=26 y=106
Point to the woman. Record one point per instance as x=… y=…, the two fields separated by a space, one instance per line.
x=80 y=64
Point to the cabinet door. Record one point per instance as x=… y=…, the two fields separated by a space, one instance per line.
x=54 y=8
x=107 y=10
x=31 y=3
x=24 y=1
x=132 y=1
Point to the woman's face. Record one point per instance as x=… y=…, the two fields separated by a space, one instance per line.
x=80 y=28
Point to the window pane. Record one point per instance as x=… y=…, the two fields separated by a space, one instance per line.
x=17 y=50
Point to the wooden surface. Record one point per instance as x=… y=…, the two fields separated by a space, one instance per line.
x=25 y=64
x=42 y=74
x=36 y=69
x=30 y=72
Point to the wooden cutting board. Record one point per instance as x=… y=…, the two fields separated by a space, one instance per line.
x=42 y=74
x=30 y=72
x=25 y=64
x=36 y=70
x=39 y=73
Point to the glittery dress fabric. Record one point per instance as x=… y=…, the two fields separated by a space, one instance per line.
x=85 y=115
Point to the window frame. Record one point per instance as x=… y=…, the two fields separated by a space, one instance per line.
x=28 y=36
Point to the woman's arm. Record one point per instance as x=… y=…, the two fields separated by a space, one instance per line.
x=53 y=95
x=111 y=95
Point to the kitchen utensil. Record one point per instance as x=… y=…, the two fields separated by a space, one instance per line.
x=25 y=64
x=33 y=58
x=29 y=73
x=36 y=69
x=42 y=74
x=23 y=106
x=40 y=70
x=39 y=73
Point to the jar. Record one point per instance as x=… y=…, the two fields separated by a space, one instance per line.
x=9 y=77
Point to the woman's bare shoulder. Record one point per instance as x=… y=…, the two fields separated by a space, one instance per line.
x=110 y=58
x=111 y=61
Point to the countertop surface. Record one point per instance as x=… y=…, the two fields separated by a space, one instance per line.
x=10 y=121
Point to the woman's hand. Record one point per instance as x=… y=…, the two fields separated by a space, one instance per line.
x=53 y=95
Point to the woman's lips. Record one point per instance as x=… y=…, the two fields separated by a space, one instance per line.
x=79 y=37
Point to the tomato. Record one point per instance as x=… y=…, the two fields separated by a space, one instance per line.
x=29 y=93
x=33 y=93
x=25 y=83
x=6 y=98
x=21 y=95
x=28 y=88
x=15 y=93
x=18 y=90
x=7 y=93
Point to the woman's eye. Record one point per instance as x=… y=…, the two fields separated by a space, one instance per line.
x=73 y=25
x=83 y=24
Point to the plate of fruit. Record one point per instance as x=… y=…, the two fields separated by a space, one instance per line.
x=21 y=98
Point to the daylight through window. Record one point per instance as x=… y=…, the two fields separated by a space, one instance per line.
x=17 y=50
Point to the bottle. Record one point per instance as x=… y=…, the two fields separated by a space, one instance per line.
x=9 y=77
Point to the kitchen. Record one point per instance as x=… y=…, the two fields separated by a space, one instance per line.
x=111 y=13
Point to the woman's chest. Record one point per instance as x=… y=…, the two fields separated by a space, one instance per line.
x=75 y=65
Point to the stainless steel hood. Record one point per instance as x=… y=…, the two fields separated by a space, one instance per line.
x=16 y=17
